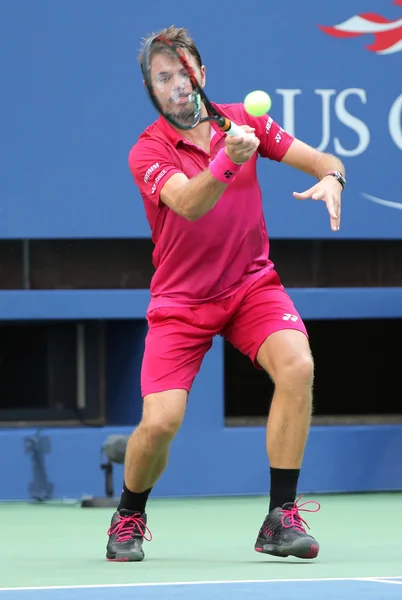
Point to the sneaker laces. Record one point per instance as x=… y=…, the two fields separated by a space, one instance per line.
x=291 y=516
x=127 y=526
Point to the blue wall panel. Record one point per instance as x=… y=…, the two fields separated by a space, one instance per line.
x=208 y=458
x=208 y=462
x=312 y=303
x=73 y=104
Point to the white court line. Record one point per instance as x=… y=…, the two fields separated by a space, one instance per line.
x=386 y=580
x=172 y=583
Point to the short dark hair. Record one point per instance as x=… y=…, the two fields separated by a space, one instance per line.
x=179 y=37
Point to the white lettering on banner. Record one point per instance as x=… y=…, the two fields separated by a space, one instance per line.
x=352 y=122
x=395 y=122
x=344 y=116
x=288 y=109
x=150 y=171
x=289 y=113
x=326 y=96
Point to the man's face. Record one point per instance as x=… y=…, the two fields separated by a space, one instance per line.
x=172 y=86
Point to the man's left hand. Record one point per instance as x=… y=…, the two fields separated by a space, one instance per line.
x=329 y=190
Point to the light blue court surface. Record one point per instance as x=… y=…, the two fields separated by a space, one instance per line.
x=322 y=589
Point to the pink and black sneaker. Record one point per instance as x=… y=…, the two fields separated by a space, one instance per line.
x=283 y=532
x=126 y=533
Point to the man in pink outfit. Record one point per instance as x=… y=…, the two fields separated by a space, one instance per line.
x=214 y=277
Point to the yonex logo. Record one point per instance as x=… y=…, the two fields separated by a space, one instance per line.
x=228 y=174
x=278 y=137
x=290 y=317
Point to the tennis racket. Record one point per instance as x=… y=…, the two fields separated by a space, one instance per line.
x=175 y=91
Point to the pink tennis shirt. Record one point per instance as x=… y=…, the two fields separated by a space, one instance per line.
x=208 y=259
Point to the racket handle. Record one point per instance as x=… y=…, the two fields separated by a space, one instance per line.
x=234 y=129
x=229 y=127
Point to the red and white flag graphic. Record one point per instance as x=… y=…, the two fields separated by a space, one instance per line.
x=387 y=33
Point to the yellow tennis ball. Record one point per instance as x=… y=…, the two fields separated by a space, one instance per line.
x=257 y=103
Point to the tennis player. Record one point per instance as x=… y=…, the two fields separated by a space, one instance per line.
x=214 y=277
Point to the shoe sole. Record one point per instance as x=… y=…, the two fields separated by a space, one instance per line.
x=301 y=548
x=126 y=557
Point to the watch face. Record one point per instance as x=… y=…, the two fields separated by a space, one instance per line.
x=340 y=177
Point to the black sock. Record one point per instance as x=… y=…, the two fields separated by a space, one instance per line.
x=283 y=486
x=133 y=501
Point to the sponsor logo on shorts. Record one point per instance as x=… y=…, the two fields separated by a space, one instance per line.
x=290 y=317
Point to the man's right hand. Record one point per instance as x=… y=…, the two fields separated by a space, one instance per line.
x=240 y=149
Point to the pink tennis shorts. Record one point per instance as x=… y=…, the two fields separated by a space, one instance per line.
x=179 y=337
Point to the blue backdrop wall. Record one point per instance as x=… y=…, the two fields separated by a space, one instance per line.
x=72 y=105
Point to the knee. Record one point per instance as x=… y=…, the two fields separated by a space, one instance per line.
x=297 y=373
x=161 y=421
x=160 y=429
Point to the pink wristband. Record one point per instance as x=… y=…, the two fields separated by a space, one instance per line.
x=222 y=168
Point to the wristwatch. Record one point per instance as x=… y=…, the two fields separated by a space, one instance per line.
x=338 y=176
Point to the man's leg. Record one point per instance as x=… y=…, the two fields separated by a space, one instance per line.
x=148 y=447
x=267 y=328
x=286 y=356
x=176 y=343
x=145 y=460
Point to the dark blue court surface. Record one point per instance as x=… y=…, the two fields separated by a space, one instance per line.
x=322 y=589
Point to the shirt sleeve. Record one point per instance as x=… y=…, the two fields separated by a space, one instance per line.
x=151 y=166
x=274 y=140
